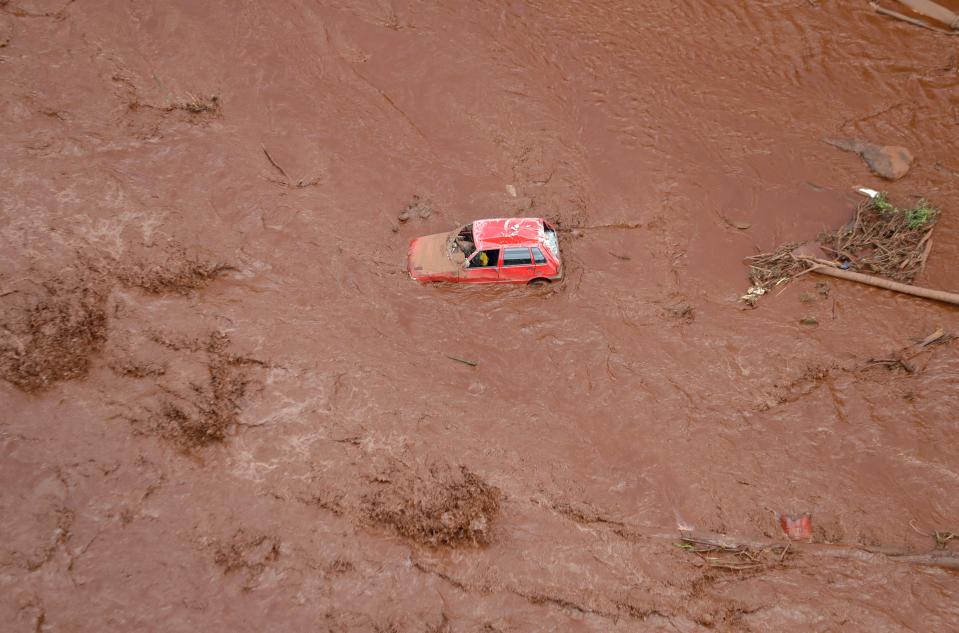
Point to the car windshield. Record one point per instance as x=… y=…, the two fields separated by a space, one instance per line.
x=463 y=241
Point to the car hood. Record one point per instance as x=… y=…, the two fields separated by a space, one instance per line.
x=429 y=255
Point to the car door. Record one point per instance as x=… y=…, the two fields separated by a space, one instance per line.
x=541 y=265
x=517 y=266
x=477 y=272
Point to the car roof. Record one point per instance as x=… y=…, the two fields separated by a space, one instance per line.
x=508 y=232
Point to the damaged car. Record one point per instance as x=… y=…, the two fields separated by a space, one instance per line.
x=495 y=251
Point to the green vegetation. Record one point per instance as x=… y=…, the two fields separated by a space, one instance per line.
x=882 y=204
x=920 y=215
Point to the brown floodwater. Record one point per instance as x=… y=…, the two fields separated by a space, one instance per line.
x=637 y=396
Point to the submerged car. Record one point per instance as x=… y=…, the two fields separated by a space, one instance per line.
x=503 y=251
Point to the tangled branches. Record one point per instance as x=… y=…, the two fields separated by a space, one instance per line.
x=885 y=240
x=882 y=240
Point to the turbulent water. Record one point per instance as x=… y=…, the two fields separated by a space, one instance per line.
x=669 y=139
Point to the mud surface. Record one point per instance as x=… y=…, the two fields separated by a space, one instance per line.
x=226 y=406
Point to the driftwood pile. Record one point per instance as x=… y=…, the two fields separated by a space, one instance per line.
x=884 y=246
x=885 y=240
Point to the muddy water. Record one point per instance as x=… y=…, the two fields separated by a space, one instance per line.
x=635 y=397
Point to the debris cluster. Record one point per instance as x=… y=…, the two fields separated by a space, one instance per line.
x=903 y=358
x=210 y=410
x=52 y=334
x=885 y=240
x=768 y=270
x=419 y=207
x=723 y=553
x=882 y=240
x=251 y=552
x=52 y=337
x=176 y=273
x=199 y=105
x=443 y=506
x=134 y=368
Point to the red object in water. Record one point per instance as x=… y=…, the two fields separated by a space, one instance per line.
x=504 y=251
x=796 y=527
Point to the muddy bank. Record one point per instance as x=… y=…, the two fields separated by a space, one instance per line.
x=226 y=405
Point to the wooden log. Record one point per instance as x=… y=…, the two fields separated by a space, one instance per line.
x=879 y=282
x=905 y=18
x=935 y=558
x=935 y=11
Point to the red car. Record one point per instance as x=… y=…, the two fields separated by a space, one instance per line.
x=501 y=251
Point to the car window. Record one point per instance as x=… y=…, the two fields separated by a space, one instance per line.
x=516 y=256
x=538 y=256
x=485 y=259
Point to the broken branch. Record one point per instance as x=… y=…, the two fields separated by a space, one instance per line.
x=274 y=163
